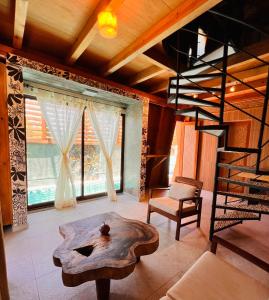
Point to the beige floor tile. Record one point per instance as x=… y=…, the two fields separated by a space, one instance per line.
x=32 y=274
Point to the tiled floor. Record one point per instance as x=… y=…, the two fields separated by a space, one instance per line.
x=32 y=274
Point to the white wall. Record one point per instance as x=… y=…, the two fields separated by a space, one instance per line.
x=132 y=151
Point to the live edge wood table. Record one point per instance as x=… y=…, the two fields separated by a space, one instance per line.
x=87 y=255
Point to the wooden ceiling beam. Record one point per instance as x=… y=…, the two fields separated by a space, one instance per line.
x=21 y=7
x=182 y=15
x=87 y=34
x=146 y=74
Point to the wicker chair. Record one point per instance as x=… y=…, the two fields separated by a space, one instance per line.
x=183 y=201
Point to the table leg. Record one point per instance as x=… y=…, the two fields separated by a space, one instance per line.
x=102 y=289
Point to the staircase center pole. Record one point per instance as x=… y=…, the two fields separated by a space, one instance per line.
x=223 y=90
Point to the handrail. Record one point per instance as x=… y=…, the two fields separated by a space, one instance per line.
x=225 y=101
x=218 y=69
x=238 y=21
x=229 y=44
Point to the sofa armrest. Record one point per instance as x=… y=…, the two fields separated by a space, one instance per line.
x=248 y=256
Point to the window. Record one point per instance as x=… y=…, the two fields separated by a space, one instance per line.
x=87 y=161
x=94 y=161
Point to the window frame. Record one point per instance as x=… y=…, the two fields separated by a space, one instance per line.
x=83 y=197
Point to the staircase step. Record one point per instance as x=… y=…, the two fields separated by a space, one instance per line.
x=255 y=197
x=243 y=205
x=194 y=78
x=185 y=89
x=255 y=184
x=238 y=149
x=239 y=168
x=183 y=99
x=202 y=114
x=254 y=176
x=214 y=55
x=233 y=218
x=216 y=130
x=237 y=215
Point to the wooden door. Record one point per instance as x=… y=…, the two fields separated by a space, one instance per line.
x=188 y=139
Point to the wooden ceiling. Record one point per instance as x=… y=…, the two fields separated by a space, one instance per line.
x=67 y=31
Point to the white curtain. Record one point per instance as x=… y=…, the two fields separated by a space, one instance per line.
x=105 y=121
x=63 y=115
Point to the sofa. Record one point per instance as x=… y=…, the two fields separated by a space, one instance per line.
x=212 y=278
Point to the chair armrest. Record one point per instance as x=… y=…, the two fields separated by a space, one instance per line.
x=190 y=198
x=157 y=188
x=248 y=256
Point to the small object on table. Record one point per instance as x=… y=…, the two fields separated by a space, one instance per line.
x=104 y=229
x=88 y=255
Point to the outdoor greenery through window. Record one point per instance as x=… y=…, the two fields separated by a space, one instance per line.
x=43 y=158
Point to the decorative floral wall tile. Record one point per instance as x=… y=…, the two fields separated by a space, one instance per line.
x=17 y=132
x=17 y=142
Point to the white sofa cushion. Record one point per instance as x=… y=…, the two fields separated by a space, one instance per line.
x=181 y=190
x=170 y=205
x=211 y=278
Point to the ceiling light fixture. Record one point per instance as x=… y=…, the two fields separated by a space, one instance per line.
x=232 y=89
x=107 y=24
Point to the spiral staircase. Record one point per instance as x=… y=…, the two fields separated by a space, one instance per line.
x=229 y=207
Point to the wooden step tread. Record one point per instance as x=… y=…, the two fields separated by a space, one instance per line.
x=202 y=114
x=188 y=100
x=239 y=168
x=258 y=197
x=238 y=150
x=255 y=184
x=224 y=223
x=255 y=208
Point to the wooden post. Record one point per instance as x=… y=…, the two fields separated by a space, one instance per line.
x=4 y=295
x=5 y=179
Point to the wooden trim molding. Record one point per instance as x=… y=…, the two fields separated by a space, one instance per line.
x=5 y=181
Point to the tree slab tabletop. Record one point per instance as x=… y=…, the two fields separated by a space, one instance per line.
x=87 y=255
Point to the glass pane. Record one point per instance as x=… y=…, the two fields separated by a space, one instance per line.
x=42 y=156
x=75 y=163
x=94 y=162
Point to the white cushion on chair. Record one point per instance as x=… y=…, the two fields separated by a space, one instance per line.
x=170 y=205
x=181 y=190
x=211 y=278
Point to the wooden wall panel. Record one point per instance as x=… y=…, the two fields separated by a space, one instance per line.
x=190 y=150
x=5 y=179
x=161 y=126
x=207 y=160
x=208 y=144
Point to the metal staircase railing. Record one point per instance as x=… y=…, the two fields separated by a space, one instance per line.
x=234 y=216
